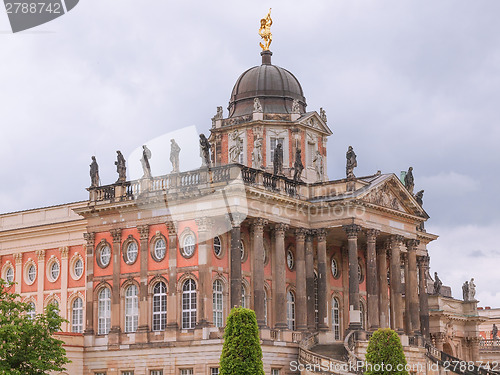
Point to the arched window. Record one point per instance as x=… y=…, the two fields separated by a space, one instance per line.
x=131 y=308
x=290 y=310
x=265 y=306
x=78 y=268
x=362 y=310
x=217 y=301
x=32 y=310
x=336 y=318
x=188 y=304
x=77 y=316
x=243 y=296
x=104 y=311
x=316 y=301
x=159 y=306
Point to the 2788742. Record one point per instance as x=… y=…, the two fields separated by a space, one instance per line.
x=33 y=8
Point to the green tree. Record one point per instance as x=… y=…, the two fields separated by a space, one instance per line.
x=27 y=346
x=241 y=353
x=385 y=354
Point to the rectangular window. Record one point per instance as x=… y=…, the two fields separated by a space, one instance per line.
x=187 y=371
x=311 y=151
x=275 y=371
x=99 y=373
x=274 y=143
x=214 y=371
x=156 y=372
x=127 y=373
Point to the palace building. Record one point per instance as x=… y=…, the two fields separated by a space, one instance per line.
x=146 y=271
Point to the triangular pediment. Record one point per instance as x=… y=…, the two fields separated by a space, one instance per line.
x=314 y=121
x=388 y=192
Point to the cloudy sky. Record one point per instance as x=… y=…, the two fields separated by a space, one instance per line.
x=404 y=82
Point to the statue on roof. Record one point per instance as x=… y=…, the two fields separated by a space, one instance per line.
x=297 y=165
x=295 y=106
x=146 y=167
x=204 y=151
x=278 y=160
x=175 y=150
x=121 y=167
x=322 y=114
x=94 y=173
x=257 y=153
x=465 y=291
x=472 y=290
x=437 y=284
x=351 y=163
x=419 y=197
x=257 y=107
x=494 y=332
x=318 y=165
x=409 y=180
x=265 y=31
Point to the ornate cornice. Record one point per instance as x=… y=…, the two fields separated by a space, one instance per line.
x=18 y=258
x=352 y=230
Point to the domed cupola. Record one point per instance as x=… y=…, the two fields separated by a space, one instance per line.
x=275 y=87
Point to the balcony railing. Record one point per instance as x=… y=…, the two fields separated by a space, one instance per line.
x=489 y=345
x=201 y=178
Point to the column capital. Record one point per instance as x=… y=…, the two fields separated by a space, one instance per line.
x=320 y=234
x=116 y=234
x=423 y=261
x=258 y=224
x=235 y=219
x=204 y=224
x=40 y=254
x=64 y=252
x=309 y=235
x=300 y=234
x=412 y=244
x=371 y=235
x=352 y=230
x=172 y=229
x=18 y=258
x=89 y=238
x=143 y=232
x=280 y=229
x=396 y=240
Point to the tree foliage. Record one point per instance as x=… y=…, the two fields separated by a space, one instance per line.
x=241 y=353
x=385 y=354
x=27 y=346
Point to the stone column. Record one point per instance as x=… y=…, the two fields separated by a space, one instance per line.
x=280 y=273
x=64 y=287
x=143 y=276
x=322 y=281
x=18 y=260
x=300 y=267
x=407 y=320
x=235 y=261
x=257 y=229
x=115 y=295
x=396 y=294
x=412 y=289
x=439 y=340
x=311 y=315
x=352 y=231
x=205 y=240
x=372 y=281
x=423 y=266
x=89 y=285
x=40 y=276
x=383 y=299
x=172 y=277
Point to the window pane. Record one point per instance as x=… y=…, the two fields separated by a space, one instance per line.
x=131 y=309
x=77 y=316
x=159 y=306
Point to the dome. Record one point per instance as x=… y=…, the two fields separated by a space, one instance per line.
x=275 y=87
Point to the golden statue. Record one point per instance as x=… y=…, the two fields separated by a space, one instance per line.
x=265 y=31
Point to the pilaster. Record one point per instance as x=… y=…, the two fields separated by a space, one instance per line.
x=311 y=314
x=40 y=275
x=322 y=281
x=372 y=281
x=143 y=326
x=64 y=286
x=89 y=289
x=205 y=240
x=114 y=332
x=257 y=228
x=300 y=266
x=172 y=277
x=280 y=273
x=18 y=259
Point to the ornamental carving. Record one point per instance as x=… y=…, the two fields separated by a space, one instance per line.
x=384 y=197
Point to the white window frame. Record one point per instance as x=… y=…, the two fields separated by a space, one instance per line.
x=32 y=310
x=336 y=318
x=189 y=304
x=77 y=315
x=290 y=310
x=104 y=311
x=162 y=249
x=159 y=306
x=218 y=303
x=131 y=308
